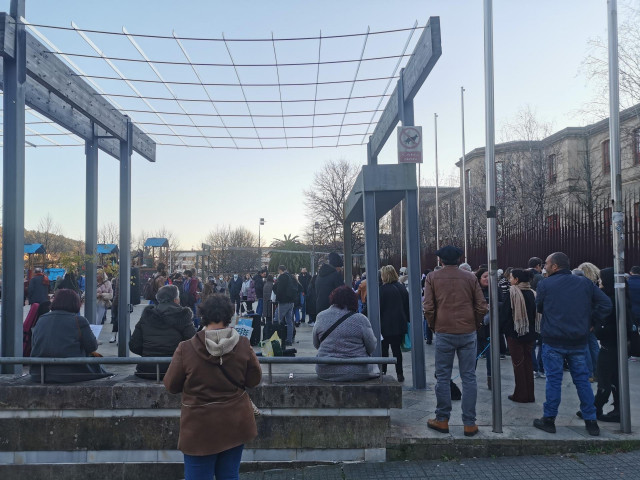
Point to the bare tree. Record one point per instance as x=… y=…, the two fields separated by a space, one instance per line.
x=233 y=250
x=596 y=65
x=109 y=233
x=325 y=204
x=49 y=234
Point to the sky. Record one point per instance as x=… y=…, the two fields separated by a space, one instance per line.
x=538 y=50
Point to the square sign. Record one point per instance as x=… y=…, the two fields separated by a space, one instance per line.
x=409 y=144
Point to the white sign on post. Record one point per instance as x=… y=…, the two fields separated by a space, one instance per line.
x=409 y=144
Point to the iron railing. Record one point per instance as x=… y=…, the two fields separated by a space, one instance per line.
x=164 y=360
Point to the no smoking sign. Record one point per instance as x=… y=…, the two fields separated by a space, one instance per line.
x=409 y=144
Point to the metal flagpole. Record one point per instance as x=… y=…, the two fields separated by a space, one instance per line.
x=435 y=120
x=618 y=216
x=492 y=249
x=464 y=180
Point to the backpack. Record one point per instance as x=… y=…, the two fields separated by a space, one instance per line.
x=189 y=299
x=149 y=290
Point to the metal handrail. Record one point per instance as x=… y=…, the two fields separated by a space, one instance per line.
x=42 y=361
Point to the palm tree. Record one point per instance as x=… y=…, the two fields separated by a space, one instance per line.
x=293 y=261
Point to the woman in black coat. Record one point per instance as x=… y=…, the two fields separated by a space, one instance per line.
x=394 y=316
x=518 y=323
x=160 y=329
x=63 y=333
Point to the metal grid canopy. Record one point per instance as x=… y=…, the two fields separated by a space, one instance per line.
x=309 y=92
x=378 y=188
x=32 y=77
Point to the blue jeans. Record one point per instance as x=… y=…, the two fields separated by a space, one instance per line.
x=303 y=307
x=593 y=349
x=428 y=334
x=260 y=306
x=553 y=358
x=447 y=346
x=285 y=312
x=225 y=465
x=536 y=360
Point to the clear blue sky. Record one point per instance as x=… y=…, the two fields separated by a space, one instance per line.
x=538 y=50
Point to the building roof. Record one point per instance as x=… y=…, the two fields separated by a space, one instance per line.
x=156 y=242
x=34 y=248
x=105 y=248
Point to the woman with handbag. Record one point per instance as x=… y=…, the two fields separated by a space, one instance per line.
x=104 y=295
x=211 y=370
x=340 y=331
x=63 y=333
x=394 y=316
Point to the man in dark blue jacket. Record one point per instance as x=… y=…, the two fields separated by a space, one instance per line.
x=567 y=303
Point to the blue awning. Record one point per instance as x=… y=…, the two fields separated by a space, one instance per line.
x=156 y=242
x=106 y=248
x=34 y=248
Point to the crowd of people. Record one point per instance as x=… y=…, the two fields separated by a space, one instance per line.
x=551 y=319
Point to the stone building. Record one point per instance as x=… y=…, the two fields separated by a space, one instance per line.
x=540 y=180
x=543 y=184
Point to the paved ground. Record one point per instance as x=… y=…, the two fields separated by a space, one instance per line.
x=566 y=467
x=419 y=405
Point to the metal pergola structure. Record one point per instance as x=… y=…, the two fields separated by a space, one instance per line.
x=32 y=77
x=379 y=188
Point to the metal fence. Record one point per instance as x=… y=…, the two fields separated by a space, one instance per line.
x=157 y=361
x=583 y=233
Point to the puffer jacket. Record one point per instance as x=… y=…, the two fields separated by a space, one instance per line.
x=158 y=332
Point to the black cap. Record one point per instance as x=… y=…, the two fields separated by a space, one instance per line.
x=450 y=253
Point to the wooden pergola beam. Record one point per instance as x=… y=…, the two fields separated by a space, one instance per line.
x=54 y=90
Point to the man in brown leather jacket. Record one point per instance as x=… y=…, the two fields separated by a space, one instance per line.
x=454 y=308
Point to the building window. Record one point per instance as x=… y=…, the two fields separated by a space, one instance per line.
x=636 y=146
x=606 y=215
x=606 y=160
x=552 y=168
x=553 y=222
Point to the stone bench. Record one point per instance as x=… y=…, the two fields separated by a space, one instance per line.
x=128 y=428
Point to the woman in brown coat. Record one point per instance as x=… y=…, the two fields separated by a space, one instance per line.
x=212 y=370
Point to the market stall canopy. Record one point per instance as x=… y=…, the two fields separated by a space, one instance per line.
x=30 y=248
x=106 y=248
x=156 y=242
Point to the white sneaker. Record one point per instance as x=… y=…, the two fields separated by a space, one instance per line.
x=113 y=338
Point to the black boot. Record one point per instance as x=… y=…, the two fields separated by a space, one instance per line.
x=592 y=427
x=548 y=424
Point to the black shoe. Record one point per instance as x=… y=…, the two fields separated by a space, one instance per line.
x=612 y=416
x=429 y=342
x=592 y=427
x=548 y=424
x=579 y=414
x=400 y=377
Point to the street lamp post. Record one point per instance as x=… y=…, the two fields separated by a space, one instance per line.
x=260 y=242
